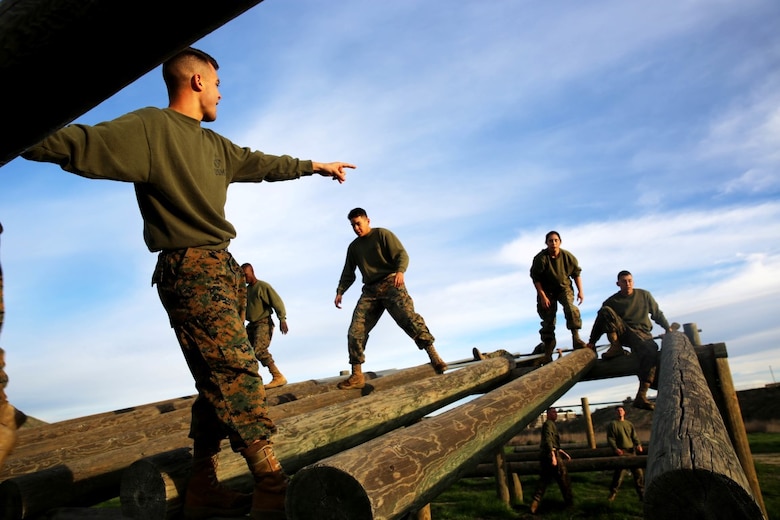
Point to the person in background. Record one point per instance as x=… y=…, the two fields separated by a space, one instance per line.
x=552 y=272
x=261 y=302
x=382 y=260
x=551 y=460
x=622 y=438
x=181 y=173
x=625 y=317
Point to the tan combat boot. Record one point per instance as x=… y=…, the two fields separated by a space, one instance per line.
x=615 y=348
x=436 y=362
x=206 y=497
x=356 y=380
x=278 y=379
x=546 y=347
x=640 y=401
x=576 y=341
x=270 y=482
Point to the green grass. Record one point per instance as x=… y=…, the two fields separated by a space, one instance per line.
x=477 y=499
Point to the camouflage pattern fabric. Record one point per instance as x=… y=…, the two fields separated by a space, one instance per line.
x=260 y=333
x=204 y=293
x=374 y=300
x=564 y=296
x=640 y=342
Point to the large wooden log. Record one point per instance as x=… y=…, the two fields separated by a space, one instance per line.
x=94 y=48
x=692 y=469
x=405 y=469
x=151 y=488
x=88 y=466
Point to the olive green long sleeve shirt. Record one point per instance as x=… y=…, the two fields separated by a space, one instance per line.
x=262 y=300
x=637 y=309
x=376 y=255
x=180 y=170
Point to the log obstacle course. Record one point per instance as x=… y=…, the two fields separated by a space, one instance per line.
x=691 y=448
x=376 y=452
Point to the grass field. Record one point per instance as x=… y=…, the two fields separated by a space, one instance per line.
x=476 y=499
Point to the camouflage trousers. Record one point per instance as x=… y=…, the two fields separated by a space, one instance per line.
x=564 y=296
x=260 y=333
x=637 y=473
x=640 y=342
x=374 y=300
x=204 y=293
x=559 y=473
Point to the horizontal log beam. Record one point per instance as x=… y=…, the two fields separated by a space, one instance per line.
x=573 y=466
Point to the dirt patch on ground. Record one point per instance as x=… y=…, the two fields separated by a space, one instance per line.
x=767 y=458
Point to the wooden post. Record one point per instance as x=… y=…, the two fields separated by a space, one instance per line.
x=591 y=435
x=501 y=478
x=424 y=513
x=306 y=438
x=692 y=331
x=404 y=469
x=692 y=469
x=732 y=416
x=517 y=489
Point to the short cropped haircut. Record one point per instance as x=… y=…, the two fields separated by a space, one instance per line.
x=357 y=212
x=173 y=69
x=624 y=273
x=550 y=233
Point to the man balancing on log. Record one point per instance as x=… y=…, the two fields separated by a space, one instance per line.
x=625 y=317
x=181 y=173
x=382 y=260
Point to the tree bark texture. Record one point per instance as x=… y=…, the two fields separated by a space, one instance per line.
x=400 y=471
x=692 y=469
x=306 y=438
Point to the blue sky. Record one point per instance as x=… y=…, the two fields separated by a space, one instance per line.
x=646 y=133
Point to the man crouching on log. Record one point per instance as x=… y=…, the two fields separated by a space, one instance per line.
x=181 y=173
x=625 y=317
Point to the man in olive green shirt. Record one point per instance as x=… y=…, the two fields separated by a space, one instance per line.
x=552 y=272
x=622 y=438
x=181 y=173
x=382 y=260
x=261 y=302
x=551 y=461
x=625 y=317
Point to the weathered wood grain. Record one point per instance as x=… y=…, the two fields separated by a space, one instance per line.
x=303 y=439
x=400 y=471
x=692 y=469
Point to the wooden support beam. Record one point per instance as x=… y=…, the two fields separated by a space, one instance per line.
x=95 y=48
x=150 y=488
x=402 y=470
x=692 y=469
x=532 y=467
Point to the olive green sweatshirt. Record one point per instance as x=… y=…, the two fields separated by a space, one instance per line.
x=180 y=170
x=377 y=254
x=637 y=309
x=262 y=300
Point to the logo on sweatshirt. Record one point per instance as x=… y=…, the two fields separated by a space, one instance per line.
x=218 y=168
